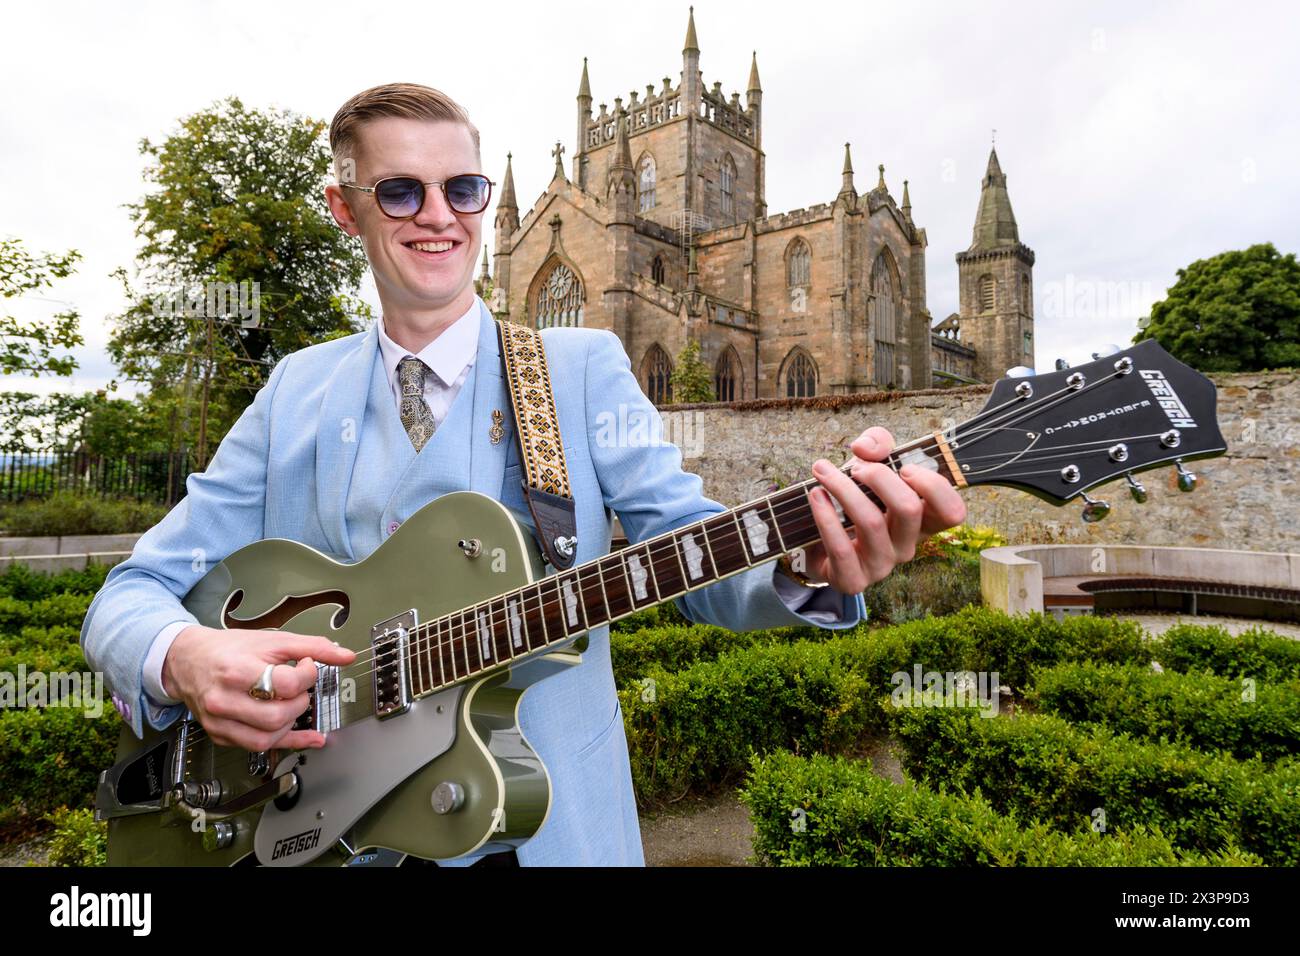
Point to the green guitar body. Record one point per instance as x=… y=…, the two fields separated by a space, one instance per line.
x=475 y=740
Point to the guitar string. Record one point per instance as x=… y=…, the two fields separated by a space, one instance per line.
x=1035 y=406
x=452 y=631
x=460 y=632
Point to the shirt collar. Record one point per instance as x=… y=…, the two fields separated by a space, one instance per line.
x=447 y=355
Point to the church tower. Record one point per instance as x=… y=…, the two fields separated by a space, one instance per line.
x=995 y=277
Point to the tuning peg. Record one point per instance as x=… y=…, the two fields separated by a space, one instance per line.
x=1020 y=371
x=1093 y=509
x=1136 y=488
x=1107 y=349
x=1186 y=480
x=1062 y=365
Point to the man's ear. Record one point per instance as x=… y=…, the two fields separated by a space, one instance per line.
x=340 y=209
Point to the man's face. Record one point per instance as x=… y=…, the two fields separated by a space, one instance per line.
x=410 y=278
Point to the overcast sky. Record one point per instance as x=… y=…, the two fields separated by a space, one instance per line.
x=1136 y=138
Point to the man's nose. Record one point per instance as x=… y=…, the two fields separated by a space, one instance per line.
x=435 y=211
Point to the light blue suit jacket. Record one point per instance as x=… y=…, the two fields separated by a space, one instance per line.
x=289 y=468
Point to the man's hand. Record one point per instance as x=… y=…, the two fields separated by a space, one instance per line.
x=212 y=669
x=917 y=505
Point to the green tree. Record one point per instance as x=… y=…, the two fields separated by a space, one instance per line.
x=238 y=205
x=27 y=346
x=1235 y=312
x=692 y=380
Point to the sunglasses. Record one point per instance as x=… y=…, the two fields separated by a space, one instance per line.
x=401 y=197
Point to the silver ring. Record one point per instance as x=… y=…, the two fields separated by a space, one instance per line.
x=264 y=689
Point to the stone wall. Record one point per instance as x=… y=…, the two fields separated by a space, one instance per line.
x=1248 y=498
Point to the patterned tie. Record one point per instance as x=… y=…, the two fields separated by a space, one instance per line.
x=416 y=417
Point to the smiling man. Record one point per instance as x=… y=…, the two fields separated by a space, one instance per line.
x=350 y=437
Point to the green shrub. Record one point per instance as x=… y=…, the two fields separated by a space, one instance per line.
x=1202 y=710
x=1042 y=768
x=1256 y=652
x=21 y=582
x=77 y=840
x=924 y=587
x=51 y=757
x=674 y=647
x=662 y=615
x=57 y=609
x=829 y=811
x=68 y=513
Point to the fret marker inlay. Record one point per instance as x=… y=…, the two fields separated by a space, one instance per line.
x=570 y=603
x=484 y=636
x=756 y=528
x=514 y=624
x=638 y=577
x=694 y=556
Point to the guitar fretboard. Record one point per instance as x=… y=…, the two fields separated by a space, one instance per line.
x=565 y=605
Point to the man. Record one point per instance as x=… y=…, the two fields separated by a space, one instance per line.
x=350 y=437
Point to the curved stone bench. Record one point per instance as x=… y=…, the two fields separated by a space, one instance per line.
x=1019 y=579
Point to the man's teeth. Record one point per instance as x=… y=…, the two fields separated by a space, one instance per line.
x=431 y=246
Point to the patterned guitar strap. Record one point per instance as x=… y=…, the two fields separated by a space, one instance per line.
x=541 y=451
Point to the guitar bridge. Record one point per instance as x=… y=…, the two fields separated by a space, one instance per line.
x=390 y=641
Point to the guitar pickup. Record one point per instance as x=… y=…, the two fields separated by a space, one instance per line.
x=322 y=713
x=390 y=643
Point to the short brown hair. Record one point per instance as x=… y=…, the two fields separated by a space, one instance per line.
x=407 y=100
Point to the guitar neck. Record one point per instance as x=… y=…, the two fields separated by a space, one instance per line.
x=561 y=607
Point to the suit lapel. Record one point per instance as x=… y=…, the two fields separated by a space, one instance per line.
x=342 y=416
x=487 y=462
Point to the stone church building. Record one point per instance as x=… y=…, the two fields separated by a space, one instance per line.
x=661 y=233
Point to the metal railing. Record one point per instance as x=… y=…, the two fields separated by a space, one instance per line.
x=144 y=476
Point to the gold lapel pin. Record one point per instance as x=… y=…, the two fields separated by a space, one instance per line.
x=496 y=431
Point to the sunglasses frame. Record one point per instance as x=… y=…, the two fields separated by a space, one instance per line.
x=442 y=185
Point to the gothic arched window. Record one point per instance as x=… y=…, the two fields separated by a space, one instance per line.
x=798 y=264
x=728 y=186
x=726 y=377
x=988 y=293
x=882 y=314
x=646 y=181
x=559 y=298
x=657 y=270
x=656 y=374
x=800 y=375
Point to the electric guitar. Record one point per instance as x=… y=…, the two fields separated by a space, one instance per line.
x=454 y=617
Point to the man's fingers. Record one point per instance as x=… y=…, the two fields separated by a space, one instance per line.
x=873 y=444
x=904 y=510
x=846 y=555
x=286 y=646
x=265 y=715
x=944 y=506
x=291 y=680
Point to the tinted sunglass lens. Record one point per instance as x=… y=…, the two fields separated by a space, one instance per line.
x=400 y=197
x=467 y=193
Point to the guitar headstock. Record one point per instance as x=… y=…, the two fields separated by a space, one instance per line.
x=1059 y=434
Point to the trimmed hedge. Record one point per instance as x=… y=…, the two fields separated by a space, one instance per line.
x=21 y=582
x=1041 y=767
x=676 y=647
x=1200 y=709
x=828 y=811
x=70 y=513
x=51 y=757
x=692 y=729
x=1257 y=652
x=924 y=586
x=66 y=609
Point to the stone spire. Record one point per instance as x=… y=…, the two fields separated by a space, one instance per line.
x=584 y=88
x=848 y=192
x=483 y=276
x=507 y=200
x=995 y=223
x=754 y=85
x=907 y=203
x=692 y=44
x=881 y=184
x=620 y=182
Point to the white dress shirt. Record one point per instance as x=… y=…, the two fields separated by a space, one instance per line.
x=450 y=357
